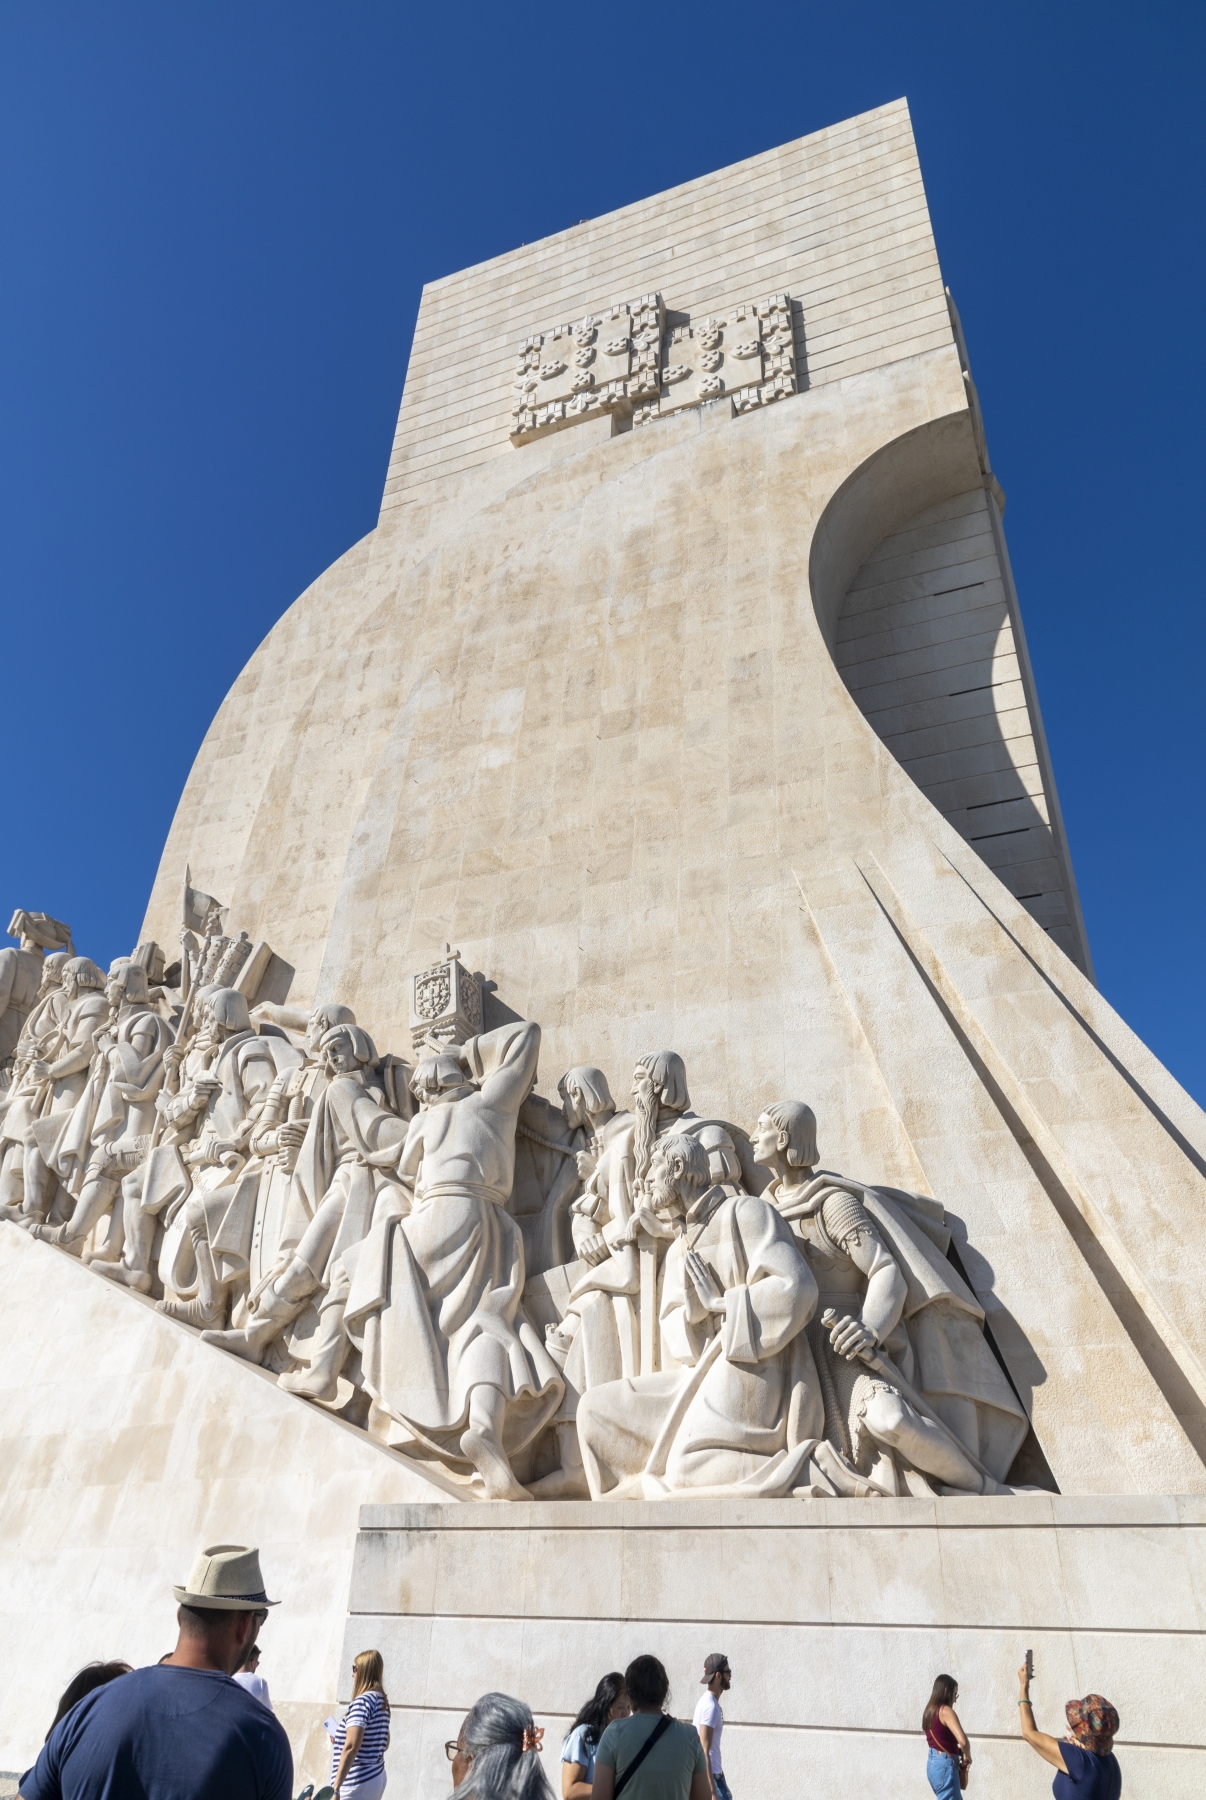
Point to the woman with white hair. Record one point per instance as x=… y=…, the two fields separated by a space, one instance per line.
x=496 y=1754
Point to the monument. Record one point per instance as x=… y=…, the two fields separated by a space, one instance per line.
x=608 y=1139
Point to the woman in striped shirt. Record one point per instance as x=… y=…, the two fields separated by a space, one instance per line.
x=362 y=1738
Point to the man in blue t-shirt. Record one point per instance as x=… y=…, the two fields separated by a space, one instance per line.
x=183 y=1730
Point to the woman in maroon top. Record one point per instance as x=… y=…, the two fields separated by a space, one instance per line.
x=950 y=1753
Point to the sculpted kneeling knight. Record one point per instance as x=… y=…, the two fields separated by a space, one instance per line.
x=914 y=1399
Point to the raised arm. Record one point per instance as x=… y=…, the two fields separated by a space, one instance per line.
x=1047 y=1747
x=504 y=1062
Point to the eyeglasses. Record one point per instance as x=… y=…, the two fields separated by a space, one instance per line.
x=452 y=1750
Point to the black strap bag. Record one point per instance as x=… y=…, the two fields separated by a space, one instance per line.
x=659 y=1730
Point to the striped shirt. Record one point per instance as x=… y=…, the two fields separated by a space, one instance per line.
x=371 y=1713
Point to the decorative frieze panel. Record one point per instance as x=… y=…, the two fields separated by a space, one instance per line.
x=629 y=361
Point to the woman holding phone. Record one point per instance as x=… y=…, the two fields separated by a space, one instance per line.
x=1085 y=1764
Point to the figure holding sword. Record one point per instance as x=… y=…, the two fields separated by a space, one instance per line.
x=892 y=1311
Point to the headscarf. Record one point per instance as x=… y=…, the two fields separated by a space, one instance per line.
x=1094 y=1723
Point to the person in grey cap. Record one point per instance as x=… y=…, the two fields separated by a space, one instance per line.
x=709 y=1719
x=182 y=1730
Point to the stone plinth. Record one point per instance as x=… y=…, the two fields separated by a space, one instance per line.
x=836 y=1616
x=127 y=1444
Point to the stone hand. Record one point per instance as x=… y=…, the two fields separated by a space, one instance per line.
x=594 y=1250
x=646 y=1220
x=849 y=1337
x=291 y=1134
x=704 y=1282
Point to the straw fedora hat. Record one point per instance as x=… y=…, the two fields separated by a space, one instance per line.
x=225 y=1578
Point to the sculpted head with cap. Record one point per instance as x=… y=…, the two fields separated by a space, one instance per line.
x=325 y=1018
x=347 y=1049
x=440 y=1079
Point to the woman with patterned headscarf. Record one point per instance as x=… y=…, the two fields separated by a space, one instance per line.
x=1085 y=1761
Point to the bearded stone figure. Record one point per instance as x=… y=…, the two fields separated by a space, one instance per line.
x=735 y=1406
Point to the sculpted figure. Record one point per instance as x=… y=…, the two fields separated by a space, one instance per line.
x=341 y=1167
x=588 y=1107
x=21 y=1104
x=280 y=1130
x=735 y=1407
x=53 y=1073
x=934 y=1410
x=21 y=972
x=220 y=1103
x=107 y=1132
x=434 y=1291
x=598 y=1337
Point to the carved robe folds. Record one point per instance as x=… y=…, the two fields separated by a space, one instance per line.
x=743 y=1411
x=435 y=1290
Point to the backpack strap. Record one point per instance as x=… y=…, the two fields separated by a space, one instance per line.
x=659 y=1730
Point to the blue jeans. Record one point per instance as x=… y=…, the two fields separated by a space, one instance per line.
x=944 y=1775
x=722 y=1786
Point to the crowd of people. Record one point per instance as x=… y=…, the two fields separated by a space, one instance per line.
x=199 y=1725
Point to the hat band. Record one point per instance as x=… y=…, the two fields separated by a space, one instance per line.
x=261 y=1597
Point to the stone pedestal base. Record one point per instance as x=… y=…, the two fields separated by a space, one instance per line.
x=835 y=1615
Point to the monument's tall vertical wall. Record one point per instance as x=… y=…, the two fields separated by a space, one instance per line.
x=705 y=720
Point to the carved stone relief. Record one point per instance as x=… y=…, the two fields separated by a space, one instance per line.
x=629 y=361
x=569 y=1299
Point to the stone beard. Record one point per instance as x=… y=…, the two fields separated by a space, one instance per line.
x=568 y=1302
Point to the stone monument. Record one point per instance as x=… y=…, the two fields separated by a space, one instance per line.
x=674 y=1185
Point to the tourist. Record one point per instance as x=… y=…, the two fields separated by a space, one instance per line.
x=950 y=1753
x=1086 y=1764
x=717 y=1678
x=609 y=1701
x=182 y=1726
x=250 y=1678
x=650 y=1756
x=93 y=1675
x=362 y=1738
x=496 y=1755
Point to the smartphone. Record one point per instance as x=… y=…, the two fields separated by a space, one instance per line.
x=1030 y=1665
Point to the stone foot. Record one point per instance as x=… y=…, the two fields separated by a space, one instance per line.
x=490 y=1460
x=312 y=1384
x=189 y=1312
x=250 y=1342
x=131 y=1278
x=561 y=1484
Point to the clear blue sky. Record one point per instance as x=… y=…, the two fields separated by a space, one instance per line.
x=216 y=222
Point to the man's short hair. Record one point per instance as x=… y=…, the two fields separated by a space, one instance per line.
x=199 y=1621
x=690 y=1153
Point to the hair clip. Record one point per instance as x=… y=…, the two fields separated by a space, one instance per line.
x=533 y=1737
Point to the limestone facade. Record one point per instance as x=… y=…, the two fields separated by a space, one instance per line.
x=682 y=687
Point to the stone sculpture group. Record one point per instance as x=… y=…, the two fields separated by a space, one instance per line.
x=573 y=1301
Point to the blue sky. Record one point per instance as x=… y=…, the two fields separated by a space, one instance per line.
x=215 y=223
